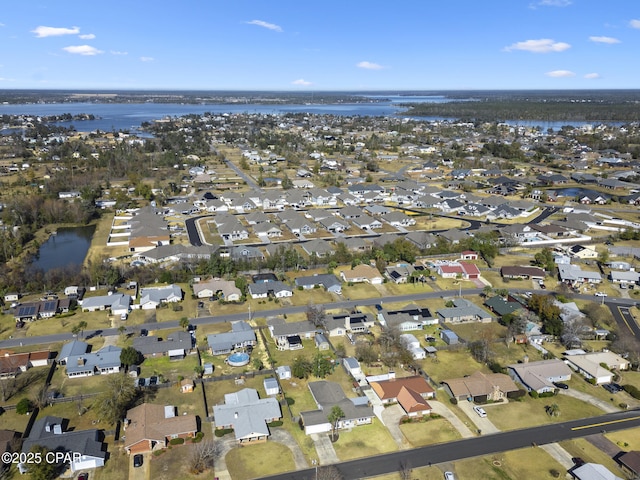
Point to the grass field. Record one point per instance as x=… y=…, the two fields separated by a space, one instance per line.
x=429 y=432
x=626 y=439
x=531 y=412
x=364 y=441
x=259 y=460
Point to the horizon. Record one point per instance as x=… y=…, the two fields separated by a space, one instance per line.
x=336 y=47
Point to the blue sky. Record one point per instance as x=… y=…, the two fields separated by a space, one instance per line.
x=328 y=45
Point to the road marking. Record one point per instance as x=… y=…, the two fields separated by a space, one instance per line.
x=582 y=427
x=624 y=318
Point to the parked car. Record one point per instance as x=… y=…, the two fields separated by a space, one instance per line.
x=480 y=411
x=137 y=460
x=612 y=387
x=449 y=476
x=561 y=385
x=124 y=316
x=600 y=294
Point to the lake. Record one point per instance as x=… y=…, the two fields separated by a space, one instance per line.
x=68 y=247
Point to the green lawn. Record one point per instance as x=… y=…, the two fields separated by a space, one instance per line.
x=116 y=466
x=580 y=447
x=259 y=460
x=626 y=439
x=452 y=364
x=169 y=369
x=512 y=465
x=429 y=432
x=531 y=412
x=364 y=441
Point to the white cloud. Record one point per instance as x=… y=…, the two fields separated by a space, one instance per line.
x=554 y=3
x=635 y=23
x=42 y=32
x=82 y=50
x=543 y=45
x=560 y=74
x=369 y=66
x=591 y=76
x=115 y=52
x=146 y=59
x=87 y=36
x=609 y=40
x=270 y=26
x=302 y=82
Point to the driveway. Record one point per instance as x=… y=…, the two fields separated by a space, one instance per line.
x=483 y=424
x=140 y=473
x=282 y=436
x=391 y=416
x=324 y=449
x=585 y=397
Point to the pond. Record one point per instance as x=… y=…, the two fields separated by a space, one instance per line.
x=68 y=247
x=576 y=191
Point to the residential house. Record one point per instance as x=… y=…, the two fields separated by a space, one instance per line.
x=346 y=323
x=464 y=270
x=247 y=414
x=268 y=230
x=362 y=274
x=327 y=395
x=582 y=252
x=624 y=278
x=118 y=303
x=540 y=376
x=176 y=346
x=593 y=471
x=365 y=222
x=240 y=336
x=276 y=289
x=329 y=281
x=153 y=297
x=150 y=427
x=320 y=248
x=288 y=336
x=630 y=462
x=573 y=274
x=596 y=365
x=103 y=362
x=72 y=348
x=412 y=345
x=481 y=387
x=225 y=289
x=464 y=311
x=411 y=393
x=84 y=446
x=334 y=224
x=503 y=306
x=409 y=318
x=399 y=273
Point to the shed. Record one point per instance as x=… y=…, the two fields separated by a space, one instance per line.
x=283 y=372
x=449 y=337
x=321 y=342
x=271 y=386
x=208 y=368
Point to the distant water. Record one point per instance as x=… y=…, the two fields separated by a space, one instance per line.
x=130 y=116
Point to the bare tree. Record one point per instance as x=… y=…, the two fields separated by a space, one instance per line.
x=328 y=472
x=316 y=314
x=406 y=472
x=204 y=455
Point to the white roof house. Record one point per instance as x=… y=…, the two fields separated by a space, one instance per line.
x=152 y=297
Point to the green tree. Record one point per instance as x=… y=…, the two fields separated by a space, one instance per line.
x=334 y=417
x=257 y=364
x=130 y=356
x=119 y=394
x=184 y=323
x=301 y=367
x=42 y=470
x=24 y=406
x=322 y=366
x=544 y=259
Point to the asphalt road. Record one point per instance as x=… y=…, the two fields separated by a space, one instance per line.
x=624 y=319
x=612 y=303
x=472 y=447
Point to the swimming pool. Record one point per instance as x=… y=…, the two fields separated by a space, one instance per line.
x=239 y=359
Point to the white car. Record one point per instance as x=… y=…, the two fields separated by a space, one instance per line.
x=124 y=316
x=480 y=411
x=449 y=476
x=600 y=294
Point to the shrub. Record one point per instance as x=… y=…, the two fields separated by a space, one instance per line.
x=198 y=438
x=592 y=381
x=632 y=390
x=454 y=401
x=276 y=423
x=534 y=394
x=23 y=407
x=158 y=452
x=221 y=432
x=176 y=441
x=547 y=394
